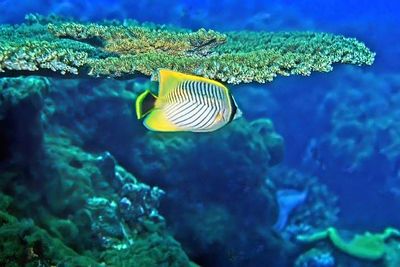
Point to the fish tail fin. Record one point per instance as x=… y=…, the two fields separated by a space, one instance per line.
x=145 y=104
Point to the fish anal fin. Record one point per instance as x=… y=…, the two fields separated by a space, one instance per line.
x=157 y=121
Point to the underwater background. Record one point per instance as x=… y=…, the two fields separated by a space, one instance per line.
x=309 y=177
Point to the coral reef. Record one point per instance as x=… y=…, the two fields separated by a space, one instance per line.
x=350 y=142
x=360 y=121
x=359 y=114
x=212 y=189
x=82 y=183
x=62 y=205
x=167 y=161
x=126 y=50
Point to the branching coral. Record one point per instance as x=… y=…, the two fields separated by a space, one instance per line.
x=137 y=40
x=34 y=56
x=32 y=49
x=125 y=50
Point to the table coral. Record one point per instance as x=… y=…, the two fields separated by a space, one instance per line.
x=138 y=40
x=124 y=50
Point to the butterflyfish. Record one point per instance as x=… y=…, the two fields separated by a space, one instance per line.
x=186 y=103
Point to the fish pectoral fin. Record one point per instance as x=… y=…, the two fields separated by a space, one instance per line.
x=157 y=121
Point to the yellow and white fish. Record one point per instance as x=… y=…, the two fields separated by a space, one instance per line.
x=186 y=103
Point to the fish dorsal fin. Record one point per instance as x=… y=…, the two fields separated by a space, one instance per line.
x=169 y=80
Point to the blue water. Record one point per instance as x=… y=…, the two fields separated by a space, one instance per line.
x=339 y=127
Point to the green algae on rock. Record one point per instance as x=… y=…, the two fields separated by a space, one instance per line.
x=118 y=50
x=368 y=246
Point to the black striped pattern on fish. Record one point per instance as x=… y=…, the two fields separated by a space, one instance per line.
x=195 y=105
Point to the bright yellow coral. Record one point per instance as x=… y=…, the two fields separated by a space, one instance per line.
x=367 y=246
